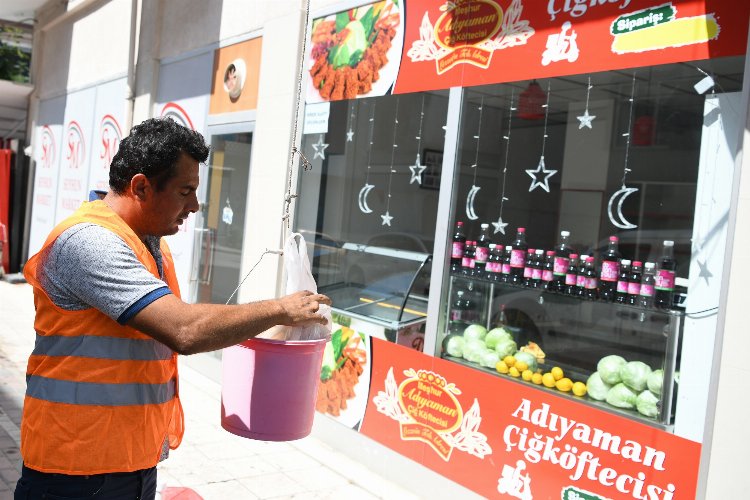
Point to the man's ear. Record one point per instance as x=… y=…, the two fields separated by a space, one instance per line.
x=139 y=186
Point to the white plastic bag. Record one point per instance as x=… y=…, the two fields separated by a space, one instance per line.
x=299 y=277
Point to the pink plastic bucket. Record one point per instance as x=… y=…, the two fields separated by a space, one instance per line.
x=269 y=388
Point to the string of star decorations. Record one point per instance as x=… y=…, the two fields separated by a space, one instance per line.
x=368 y=187
x=586 y=118
x=387 y=217
x=500 y=225
x=350 y=132
x=418 y=168
x=617 y=219
x=541 y=169
x=470 y=213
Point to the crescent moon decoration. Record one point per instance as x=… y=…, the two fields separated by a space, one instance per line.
x=470 y=213
x=363 y=198
x=617 y=219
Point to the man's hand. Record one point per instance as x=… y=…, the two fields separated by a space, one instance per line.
x=301 y=308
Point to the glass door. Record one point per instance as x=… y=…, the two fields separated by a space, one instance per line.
x=221 y=220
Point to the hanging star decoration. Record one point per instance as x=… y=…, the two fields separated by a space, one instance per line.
x=416 y=171
x=350 y=135
x=586 y=120
x=540 y=170
x=386 y=218
x=320 y=148
x=499 y=225
x=704 y=272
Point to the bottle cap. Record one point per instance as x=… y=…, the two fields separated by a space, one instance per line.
x=625 y=262
x=530 y=250
x=637 y=263
x=584 y=257
x=550 y=253
x=574 y=256
x=564 y=233
x=484 y=226
x=589 y=259
x=668 y=243
x=539 y=252
x=614 y=238
x=493 y=246
x=521 y=229
x=509 y=247
x=650 y=265
x=459 y=223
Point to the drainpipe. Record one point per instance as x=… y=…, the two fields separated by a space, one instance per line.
x=135 y=24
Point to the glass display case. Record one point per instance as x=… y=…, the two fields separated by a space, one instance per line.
x=569 y=337
x=381 y=291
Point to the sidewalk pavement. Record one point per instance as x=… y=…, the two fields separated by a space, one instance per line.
x=212 y=462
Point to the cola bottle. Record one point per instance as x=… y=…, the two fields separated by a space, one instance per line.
x=571 y=275
x=492 y=268
x=561 y=262
x=518 y=257
x=609 y=270
x=581 y=276
x=467 y=262
x=459 y=244
x=646 y=296
x=505 y=270
x=664 y=279
x=528 y=267
x=634 y=282
x=621 y=295
x=537 y=265
x=590 y=287
x=548 y=272
x=482 y=250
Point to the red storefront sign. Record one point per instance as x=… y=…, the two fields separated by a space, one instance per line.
x=505 y=438
x=478 y=42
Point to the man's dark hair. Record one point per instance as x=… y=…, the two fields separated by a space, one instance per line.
x=153 y=149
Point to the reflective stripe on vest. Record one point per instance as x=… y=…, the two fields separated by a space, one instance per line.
x=92 y=346
x=87 y=393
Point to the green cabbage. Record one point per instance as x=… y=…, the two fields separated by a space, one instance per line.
x=609 y=368
x=506 y=348
x=596 y=387
x=489 y=359
x=527 y=358
x=647 y=404
x=473 y=349
x=496 y=335
x=475 y=331
x=454 y=345
x=622 y=396
x=655 y=381
x=635 y=374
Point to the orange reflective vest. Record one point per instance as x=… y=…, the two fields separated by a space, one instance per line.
x=101 y=397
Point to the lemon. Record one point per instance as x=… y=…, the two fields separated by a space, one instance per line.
x=509 y=360
x=579 y=389
x=564 y=384
x=501 y=367
x=522 y=366
x=536 y=378
x=526 y=374
x=514 y=371
x=557 y=372
x=548 y=380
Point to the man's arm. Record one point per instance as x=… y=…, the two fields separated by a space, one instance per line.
x=193 y=328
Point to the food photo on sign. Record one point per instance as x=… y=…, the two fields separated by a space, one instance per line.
x=345 y=375
x=355 y=53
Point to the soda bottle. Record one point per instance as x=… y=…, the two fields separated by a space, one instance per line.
x=609 y=270
x=646 y=296
x=537 y=266
x=528 y=267
x=590 y=287
x=581 y=276
x=482 y=250
x=621 y=296
x=561 y=263
x=457 y=311
x=664 y=279
x=634 y=282
x=492 y=268
x=548 y=272
x=467 y=262
x=459 y=243
x=518 y=257
x=571 y=275
x=505 y=270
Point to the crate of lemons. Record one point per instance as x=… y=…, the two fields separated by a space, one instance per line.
x=496 y=349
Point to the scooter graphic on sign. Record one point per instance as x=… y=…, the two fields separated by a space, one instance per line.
x=514 y=482
x=561 y=46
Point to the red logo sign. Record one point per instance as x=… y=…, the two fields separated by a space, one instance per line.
x=76 y=146
x=48 y=147
x=110 y=134
x=175 y=111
